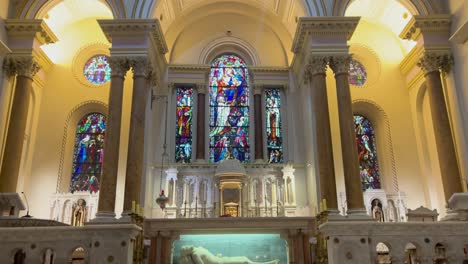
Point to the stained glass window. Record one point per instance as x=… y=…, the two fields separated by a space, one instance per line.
x=88 y=154
x=97 y=70
x=357 y=73
x=229 y=109
x=367 y=153
x=273 y=125
x=184 y=115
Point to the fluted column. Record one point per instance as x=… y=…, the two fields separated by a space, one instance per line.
x=258 y=113
x=201 y=106
x=431 y=63
x=317 y=72
x=25 y=67
x=106 y=206
x=355 y=201
x=133 y=177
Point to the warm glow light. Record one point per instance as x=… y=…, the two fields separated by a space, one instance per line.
x=62 y=17
x=390 y=14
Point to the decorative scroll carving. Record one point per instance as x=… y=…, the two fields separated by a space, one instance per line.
x=141 y=67
x=119 y=66
x=21 y=65
x=340 y=63
x=317 y=64
x=435 y=61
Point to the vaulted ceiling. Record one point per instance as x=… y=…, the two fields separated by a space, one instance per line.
x=146 y=8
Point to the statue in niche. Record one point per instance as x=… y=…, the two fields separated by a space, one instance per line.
x=79 y=213
x=200 y=255
x=377 y=212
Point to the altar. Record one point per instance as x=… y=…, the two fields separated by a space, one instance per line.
x=253 y=240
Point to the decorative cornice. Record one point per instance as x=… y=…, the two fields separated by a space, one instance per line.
x=189 y=67
x=128 y=27
x=340 y=63
x=323 y=26
x=119 y=65
x=31 y=27
x=25 y=66
x=435 y=60
x=420 y=24
x=259 y=69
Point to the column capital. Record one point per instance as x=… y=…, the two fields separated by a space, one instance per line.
x=432 y=61
x=340 y=63
x=317 y=64
x=257 y=89
x=25 y=65
x=202 y=88
x=141 y=66
x=119 y=65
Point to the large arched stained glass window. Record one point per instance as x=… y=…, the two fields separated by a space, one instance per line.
x=273 y=125
x=184 y=101
x=88 y=154
x=229 y=109
x=367 y=153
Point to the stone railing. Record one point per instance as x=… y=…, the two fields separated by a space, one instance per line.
x=89 y=244
x=365 y=242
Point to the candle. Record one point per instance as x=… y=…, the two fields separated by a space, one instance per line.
x=137 y=209
x=133 y=206
x=142 y=211
x=324 y=204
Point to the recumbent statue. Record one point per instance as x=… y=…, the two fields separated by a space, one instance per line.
x=200 y=255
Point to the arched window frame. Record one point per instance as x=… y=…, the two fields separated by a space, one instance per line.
x=88 y=137
x=249 y=107
x=377 y=183
x=68 y=140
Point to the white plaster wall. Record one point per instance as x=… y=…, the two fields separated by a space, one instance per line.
x=387 y=89
x=61 y=93
x=190 y=42
x=457 y=83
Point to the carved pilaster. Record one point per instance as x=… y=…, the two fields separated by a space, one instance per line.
x=202 y=88
x=434 y=61
x=340 y=63
x=141 y=66
x=119 y=66
x=25 y=66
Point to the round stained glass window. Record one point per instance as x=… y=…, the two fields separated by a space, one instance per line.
x=97 y=70
x=357 y=73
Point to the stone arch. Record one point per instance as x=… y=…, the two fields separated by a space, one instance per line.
x=66 y=153
x=78 y=253
x=381 y=123
x=229 y=44
x=48 y=256
x=18 y=256
x=383 y=253
x=37 y=9
x=416 y=7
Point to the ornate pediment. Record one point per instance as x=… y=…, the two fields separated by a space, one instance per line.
x=230 y=167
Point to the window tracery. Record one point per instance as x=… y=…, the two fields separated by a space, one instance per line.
x=88 y=153
x=229 y=109
x=367 y=153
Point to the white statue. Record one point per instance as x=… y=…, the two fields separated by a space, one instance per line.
x=200 y=255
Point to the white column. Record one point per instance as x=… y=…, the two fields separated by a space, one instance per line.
x=288 y=173
x=171 y=174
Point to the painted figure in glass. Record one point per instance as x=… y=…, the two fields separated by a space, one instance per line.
x=184 y=99
x=229 y=111
x=357 y=73
x=273 y=125
x=367 y=153
x=88 y=154
x=97 y=70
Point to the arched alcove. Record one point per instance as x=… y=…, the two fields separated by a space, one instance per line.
x=383 y=255
x=66 y=156
x=381 y=124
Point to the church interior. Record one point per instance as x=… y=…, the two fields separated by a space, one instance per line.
x=233 y=131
